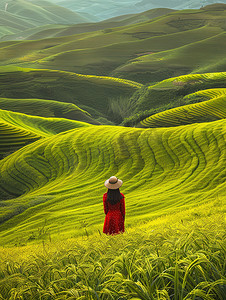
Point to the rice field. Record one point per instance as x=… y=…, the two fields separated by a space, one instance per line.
x=206 y=111
x=192 y=79
x=89 y=93
x=41 y=107
x=18 y=129
x=51 y=210
x=179 y=256
x=60 y=178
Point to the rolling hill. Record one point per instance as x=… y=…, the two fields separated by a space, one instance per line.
x=150 y=51
x=60 y=178
x=49 y=31
x=18 y=129
x=46 y=108
x=91 y=93
x=41 y=12
x=53 y=164
x=109 y=8
x=173 y=93
x=207 y=111
x=17 y=16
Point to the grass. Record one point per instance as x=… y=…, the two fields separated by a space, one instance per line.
x=151 y=50
x=51 y=211
x=56 y=30
x=200 y=57
x=171 y=93
x=179 y=256
x=42 y=12
x=211 y=110
x=46 y=108
x=18 y=130
x=94 y=92
x=60 y=178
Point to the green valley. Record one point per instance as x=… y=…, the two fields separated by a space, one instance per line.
x=149 y=51
x=140 y=95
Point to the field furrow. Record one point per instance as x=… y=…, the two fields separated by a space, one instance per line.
x=214 y=108
x=163 y=169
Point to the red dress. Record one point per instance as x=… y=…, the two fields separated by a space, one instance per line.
x=115 y=216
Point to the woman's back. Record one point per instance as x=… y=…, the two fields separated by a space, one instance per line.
x=115 y=215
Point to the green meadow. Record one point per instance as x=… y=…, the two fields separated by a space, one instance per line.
x=152 y=50
x=141 y=97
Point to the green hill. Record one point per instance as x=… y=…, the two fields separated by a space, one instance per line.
x=19 y=16
x=175 y=88
x=92 y=93
x=101 y=9
x=206 y=111
x=198 y=57
x=32 y=14
x=41 y=12
x=123 y=20
x=46 y=108
x=12 y=24
x=56 y=30
x=182 y=42
x=18 y=130
x=60 y=178
x=171 y=93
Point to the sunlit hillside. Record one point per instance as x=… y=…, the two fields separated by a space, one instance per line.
x=175 y=44
x=47 y=108
x=18 y=130
x=214 y=108
x=60 y=179
x=177 y=92
x=91 y=89
x=91 y=93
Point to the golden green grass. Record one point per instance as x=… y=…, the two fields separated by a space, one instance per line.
x=18 y=129
x=209 y=110
x=89 y=92
x=178 y=256
x=172 y=93
x=46 y=108
x=60 y=179
x=177 y=43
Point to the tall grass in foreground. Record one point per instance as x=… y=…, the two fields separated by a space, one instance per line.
x=181 y=258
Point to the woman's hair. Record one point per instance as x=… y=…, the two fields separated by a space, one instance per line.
x=113 y=196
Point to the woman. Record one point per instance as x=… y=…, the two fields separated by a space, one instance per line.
x=114 y=207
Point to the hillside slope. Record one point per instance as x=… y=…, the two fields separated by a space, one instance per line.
x=91 y=93
x=56 y=30
x=172 y=93
x=61 y=178
x=214 y=108
x=171 y=45
x=17 y=16
x=41 y=12
x=18 y=129
x=46 y=108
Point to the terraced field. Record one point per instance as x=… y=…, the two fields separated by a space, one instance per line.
x=91 y=93
x=53 y=166
x=46 y=108
x=18 y=129
x=206 y=111
x=149 y=51
x=56 y=30
x=171 y=93
x=60 y=179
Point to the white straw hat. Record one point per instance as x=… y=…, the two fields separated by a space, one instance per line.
x=113 y=183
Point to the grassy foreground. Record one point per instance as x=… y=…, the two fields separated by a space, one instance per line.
x=178 y=256
x=56 y=182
